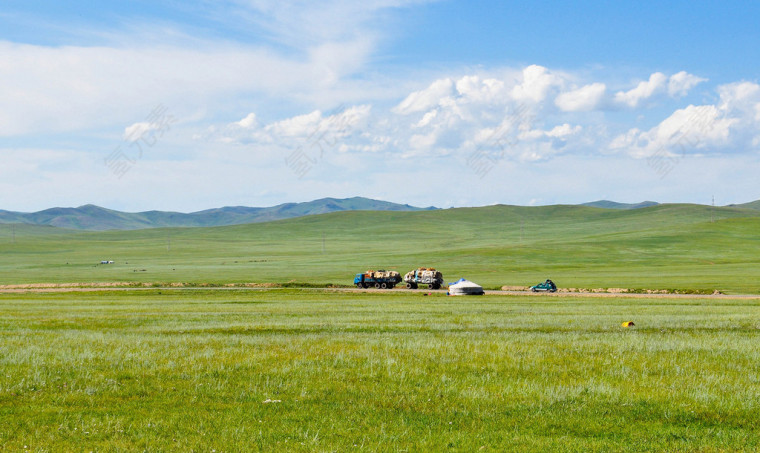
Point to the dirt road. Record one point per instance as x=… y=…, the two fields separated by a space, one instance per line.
x=121 y=286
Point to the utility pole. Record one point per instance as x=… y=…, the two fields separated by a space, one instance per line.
x=712 y=210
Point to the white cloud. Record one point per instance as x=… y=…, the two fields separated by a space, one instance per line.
x=537 y=81
x=682 y=82
x=626 y=141
x=474 y=89
x=426 y=99
x=583 y=99
x=677 y=85
x=643 y=91
x=695 y=124
x=427 y=119
x=138 y=130
x=456 y=115
x=249 y=122
x=561 y=131
x=741 y=96
x=422 y=142
x=297 y=126
x=315 y=128
x=74 y=88
x=688 y=130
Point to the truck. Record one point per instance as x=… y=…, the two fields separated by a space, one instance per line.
x=424 y=276
x=381 y=279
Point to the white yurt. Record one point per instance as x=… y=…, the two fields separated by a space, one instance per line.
x=464 y=287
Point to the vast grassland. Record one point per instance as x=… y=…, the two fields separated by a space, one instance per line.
x=663 y=247
x=310 y=370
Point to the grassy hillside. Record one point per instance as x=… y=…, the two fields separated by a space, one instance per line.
x=661 y=247
x=750 y=205
x=606 y=204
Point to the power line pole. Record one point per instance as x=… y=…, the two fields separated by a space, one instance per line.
x=712 y=210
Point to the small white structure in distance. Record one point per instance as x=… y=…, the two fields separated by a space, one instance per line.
x=464 y=287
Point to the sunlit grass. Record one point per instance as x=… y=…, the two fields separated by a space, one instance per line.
x=233 y=370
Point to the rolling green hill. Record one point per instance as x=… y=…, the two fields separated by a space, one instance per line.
x=750 y=205
x=660 y=247
x=606 y=204
x=90 y=217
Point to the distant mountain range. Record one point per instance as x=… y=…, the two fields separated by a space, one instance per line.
x=91 y=217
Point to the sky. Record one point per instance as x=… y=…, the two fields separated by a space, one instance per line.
x=197 y=104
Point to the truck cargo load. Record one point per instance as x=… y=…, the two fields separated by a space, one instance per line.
x=380 y=279
x=424 y=276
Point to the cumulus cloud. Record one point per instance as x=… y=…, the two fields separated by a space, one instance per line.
x=644 y=90
x=739 y=95
x=460 y=114
x=422 y=100
x=427 y=119
x=248 y=122
x=682 y=82
x=677 y=85
x=312 y=126
x=537 y=81
x=688 y=130
x=475 y=89
x=585 y=98
x=561 y=131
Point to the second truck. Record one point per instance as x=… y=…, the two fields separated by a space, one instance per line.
x=424 y=276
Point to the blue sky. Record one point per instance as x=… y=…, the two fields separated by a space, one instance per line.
x=198 y=104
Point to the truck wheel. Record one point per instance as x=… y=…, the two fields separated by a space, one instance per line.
x=377 y=285
x=409 y=286
x=383 y=285
x=359 y=285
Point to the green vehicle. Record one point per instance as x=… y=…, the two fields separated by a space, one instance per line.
x=547 y=286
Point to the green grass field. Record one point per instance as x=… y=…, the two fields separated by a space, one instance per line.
x=683 y=247
x=312 y=370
